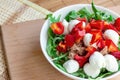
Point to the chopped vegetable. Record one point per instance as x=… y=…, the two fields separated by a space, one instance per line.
x=69 y=39
x=111 y=46
x=97 y=24
x=62 y=47
x=117 y=24
x=80 y=59
x=57 y=28
x=116 y=54
x=97 y=34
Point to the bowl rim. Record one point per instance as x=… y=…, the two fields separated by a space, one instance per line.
x=50 y=60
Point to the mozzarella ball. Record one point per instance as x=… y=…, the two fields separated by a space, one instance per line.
x=65 y=24
x=111 y=63
x=72 y=24
x=91 y=70
x=71 y=66
x=83 y=24
x=113 y=35
x=97 y=60
x=87 y=39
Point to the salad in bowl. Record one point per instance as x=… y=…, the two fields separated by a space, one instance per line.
x=83 y=42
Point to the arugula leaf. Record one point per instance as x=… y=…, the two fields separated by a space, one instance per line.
x=84 y=12
x=96 y=12
x=61 y=56
x=49 y=15
x=53 y=19
x=71 y=15
x=110 y=18
x=60 y=67
x=80 y=73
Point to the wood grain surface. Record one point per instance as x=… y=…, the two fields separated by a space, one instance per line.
x=53 y=5
x=24 y=56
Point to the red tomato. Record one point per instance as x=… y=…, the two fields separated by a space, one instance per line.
x=57 y=28
x=77 y=27
x=90 y=50
x=80 y=59
x=100 y=44
x=88 y=27
x=79 y=35
x=111 y=46
x=116 y=54
x=80 y=27
x=97 y=24
x=82 y=19
x=69 y=39
x=117 y=23
x=61 y=47
x=109 y=26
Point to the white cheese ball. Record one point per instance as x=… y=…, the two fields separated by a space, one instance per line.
x=65 y=24
x=83 y=24
x=71 y=66
x=97 y=60
x=111 y=63
x=87 y=39
x=113 y=35
x=72 y=24
x=91 y=70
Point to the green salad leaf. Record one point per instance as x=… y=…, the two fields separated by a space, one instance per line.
x=84 y=12
x=53 y=19
x=71 y=15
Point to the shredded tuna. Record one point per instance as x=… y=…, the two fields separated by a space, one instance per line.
x=76 y=49
x=104 y=51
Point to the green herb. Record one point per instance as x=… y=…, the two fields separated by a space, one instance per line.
x=80 y=73
x=95 y=11
x=53 y=19
x=49 y=15
x=60 y=67
x=71 y=15
x=84 y=12
x=61 y=56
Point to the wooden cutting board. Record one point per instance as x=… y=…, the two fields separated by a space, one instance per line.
x=24 y=56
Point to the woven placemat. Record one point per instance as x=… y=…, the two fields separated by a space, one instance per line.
x=13 y=11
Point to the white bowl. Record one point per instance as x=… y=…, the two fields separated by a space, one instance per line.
x=63 y=12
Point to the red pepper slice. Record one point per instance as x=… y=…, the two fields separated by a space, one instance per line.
x=117 y=23
x=100 y=44
x=79 y=36
x=77 y=27
x=90 y=50
x=97 y=24
x=82 y=19
x=69 y=40
x=80 y=59
x=97 y=34
x=116 y=54
x=61 y=47
x=109 y=26
x=111 y=46
x=88 y=27
x=57 y=28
